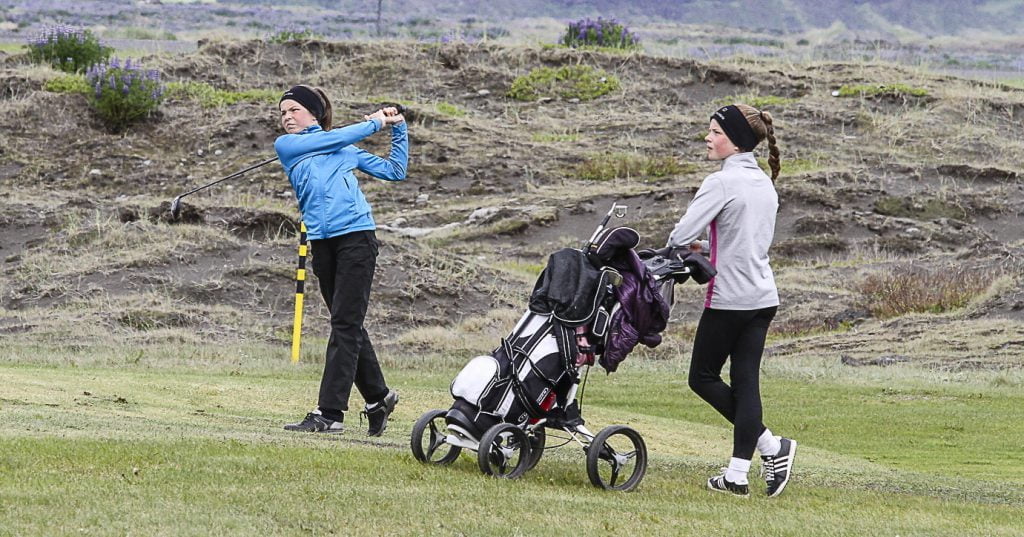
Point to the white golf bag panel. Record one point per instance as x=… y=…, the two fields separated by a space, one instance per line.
x=476 y=379
x=513 y=382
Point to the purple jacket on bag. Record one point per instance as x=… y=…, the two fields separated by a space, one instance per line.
x=642 y=314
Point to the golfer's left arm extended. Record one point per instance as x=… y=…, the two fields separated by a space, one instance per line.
x=392 y=168
x=293 y=147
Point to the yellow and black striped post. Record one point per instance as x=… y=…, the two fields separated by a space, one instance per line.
x=300 y=281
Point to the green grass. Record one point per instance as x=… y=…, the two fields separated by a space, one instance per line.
x=866 y=90
x=206 y=95
x=198 y=450
x=567 y=82
x=67 y=84
x=922 y=208
x=210 y=97
x=790 y=166
x=449 y=109
x=554 y=137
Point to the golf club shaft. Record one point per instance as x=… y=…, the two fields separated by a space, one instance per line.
x=232 y=176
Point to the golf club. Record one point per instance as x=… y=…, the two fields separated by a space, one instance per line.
x=176 y=202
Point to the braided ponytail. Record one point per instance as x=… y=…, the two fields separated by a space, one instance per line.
x=773 y=149
x=764 y=128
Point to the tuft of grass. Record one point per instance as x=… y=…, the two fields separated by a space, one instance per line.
x=449 y=109
x=210 y=97
x=567 y=82
x=871 y=90
x=555 y=137
x=604 y=167
x=911 y=288
x=149 y=319
x=790 y=166
x=80 y=244
x=67 y=84
x=922 y=209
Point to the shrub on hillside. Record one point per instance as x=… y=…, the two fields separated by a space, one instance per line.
x=568 y=82
x=912 y=288
x=67 y=84
x=599 y=33
x=123 y=94
x=604 y=167
x=67 y=48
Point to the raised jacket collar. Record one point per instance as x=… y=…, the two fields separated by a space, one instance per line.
x=744 y=160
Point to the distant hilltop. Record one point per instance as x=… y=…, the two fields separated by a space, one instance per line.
x=902 y=20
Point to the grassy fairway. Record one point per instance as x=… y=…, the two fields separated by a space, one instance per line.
x=199 y=451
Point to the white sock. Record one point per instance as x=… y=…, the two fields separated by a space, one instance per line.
x=768 y=444
x=737 y=471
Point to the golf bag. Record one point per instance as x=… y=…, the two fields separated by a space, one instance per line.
x=525 y=378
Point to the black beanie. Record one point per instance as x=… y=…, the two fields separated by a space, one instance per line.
x=735 y=125
x=308 y=98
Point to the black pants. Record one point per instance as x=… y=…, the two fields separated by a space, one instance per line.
x=739 y=336
x=344 y=266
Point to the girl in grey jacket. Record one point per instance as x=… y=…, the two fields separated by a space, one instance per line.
x=737 y=207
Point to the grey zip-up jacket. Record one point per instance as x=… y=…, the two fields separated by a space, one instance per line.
x=737 y=207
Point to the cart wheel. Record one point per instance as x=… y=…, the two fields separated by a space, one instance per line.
x=617 y=458
x=504 y=451
x=427 y=440
x=537 y=440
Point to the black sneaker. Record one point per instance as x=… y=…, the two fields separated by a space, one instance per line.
x=315 y=422
x=779 y=468
x=377 y=413
x=720 y=484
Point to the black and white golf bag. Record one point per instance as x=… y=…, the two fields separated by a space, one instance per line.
x=527 y=377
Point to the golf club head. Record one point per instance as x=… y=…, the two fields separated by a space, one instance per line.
x=619 y=210
x=176 y=208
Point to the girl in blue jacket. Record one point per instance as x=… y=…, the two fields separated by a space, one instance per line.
x=319 y=163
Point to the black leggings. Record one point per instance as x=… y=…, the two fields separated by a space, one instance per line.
x=344 y=266
x=738 y=335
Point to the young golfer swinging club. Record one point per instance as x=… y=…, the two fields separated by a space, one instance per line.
x=319 y=163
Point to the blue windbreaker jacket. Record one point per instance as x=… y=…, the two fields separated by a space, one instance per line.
x=319 y=165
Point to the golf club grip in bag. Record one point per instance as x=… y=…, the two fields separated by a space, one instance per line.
x=514 y=382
